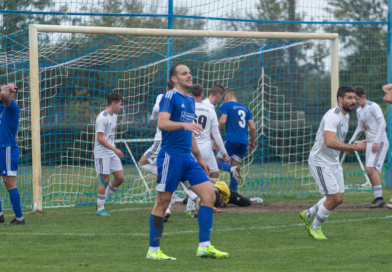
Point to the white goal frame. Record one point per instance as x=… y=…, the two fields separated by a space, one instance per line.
x=34 y=70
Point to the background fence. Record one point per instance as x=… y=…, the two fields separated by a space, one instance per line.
x=365 y=58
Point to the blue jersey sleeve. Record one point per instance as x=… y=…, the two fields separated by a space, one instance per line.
x=167 y=103
x=14 y=108
x=249 y=115
x=223 y=109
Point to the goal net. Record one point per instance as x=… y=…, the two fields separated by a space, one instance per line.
x=285 y=80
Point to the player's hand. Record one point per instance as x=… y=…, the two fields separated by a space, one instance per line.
x=151 y=118
x=119 y=153
x=375 y=147
x=195 y=128
x=251 y=146
x=225 y=157
x=361 y=145
x=214 y=145
x=205 y=167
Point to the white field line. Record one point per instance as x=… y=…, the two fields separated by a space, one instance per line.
x=195 y=231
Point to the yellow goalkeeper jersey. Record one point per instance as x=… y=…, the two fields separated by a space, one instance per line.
x=224 y=190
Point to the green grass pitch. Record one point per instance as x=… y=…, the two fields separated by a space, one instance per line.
x=75 y=239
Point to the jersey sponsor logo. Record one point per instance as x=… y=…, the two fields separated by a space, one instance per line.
x=182 y=106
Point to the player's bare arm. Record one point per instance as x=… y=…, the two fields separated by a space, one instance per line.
x=196 y=153
x=165 y=124
x=388 y=93
x=102 y=141
x=252 y=130
x=5 y=95
x=222 y=121
x=332 y=142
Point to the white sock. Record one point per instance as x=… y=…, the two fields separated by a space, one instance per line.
x=311 y=213
x=109 y=191
x=153 y=249
x=192 y=195
x=1 y=213
x=190 y=205
x=213 y=180
x=321 y=216
x=377 y=191
x=204 y=244
x=152 y=169
x=101 y=202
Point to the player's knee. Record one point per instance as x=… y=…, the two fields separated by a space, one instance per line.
x=370 y=171
x=208 y=199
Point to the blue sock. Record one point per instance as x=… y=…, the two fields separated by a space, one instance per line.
x=1 y=208
x=156 y=229
x=15 y=202
x=204 y=218
x=224 y=166
x=233 y=183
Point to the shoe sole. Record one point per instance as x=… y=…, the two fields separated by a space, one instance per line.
x=376 y=206
x=389 y=206
x=238 y=178
x=166 y=217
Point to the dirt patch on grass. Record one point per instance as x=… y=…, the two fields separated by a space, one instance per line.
x=282 y=207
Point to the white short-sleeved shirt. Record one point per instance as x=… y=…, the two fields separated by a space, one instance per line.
x=206 y=117
x=207 y=102
x=321 y=155
x=368 y=116
x=155 y=111
x=106 y=124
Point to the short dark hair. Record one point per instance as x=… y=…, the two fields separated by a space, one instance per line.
x=217 y=89
x=359 y=90
x=231 y=92
x=343 y=90
x=217 y=198
x=114 y=97
x=196 y=90
x=172 y=72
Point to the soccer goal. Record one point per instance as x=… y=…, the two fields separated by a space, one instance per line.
x=288 y=80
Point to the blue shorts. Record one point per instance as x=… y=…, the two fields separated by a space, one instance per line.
x=9 y=157
x=234 y=150
x=173 y=169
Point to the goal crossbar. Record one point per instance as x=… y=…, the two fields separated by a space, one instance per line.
x=34 y=70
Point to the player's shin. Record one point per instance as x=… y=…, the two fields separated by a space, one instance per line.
x=205 y=225
x=156 y=230
x=15 y=202
x=109 y=191
x=311 y=213
x=321 y=216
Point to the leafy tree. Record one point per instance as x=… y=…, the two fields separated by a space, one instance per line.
x=363 y=58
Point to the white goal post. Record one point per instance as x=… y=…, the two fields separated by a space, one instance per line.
x=34 y=70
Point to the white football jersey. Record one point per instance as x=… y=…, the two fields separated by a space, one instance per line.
x=206 y=117
x=368 y=116
x=207 y=101
x=155 y=111
x=321 y=155
x=105 y=123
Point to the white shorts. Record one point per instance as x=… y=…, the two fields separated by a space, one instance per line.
x=208 y=155
x=376 y=160
x=152 y=153
x=328 y=178
x=106 y=166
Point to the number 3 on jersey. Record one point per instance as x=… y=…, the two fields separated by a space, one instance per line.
x=201 y=120
x=242 y=121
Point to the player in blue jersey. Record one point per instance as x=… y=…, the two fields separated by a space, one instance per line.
x=9 y=151
x=175 y=163
x=236 y=118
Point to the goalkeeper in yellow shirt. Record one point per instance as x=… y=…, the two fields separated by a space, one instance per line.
x=224 y=195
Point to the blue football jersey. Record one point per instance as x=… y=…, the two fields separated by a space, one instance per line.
x=9 y=123
x=181 y=109
x=237 y=121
